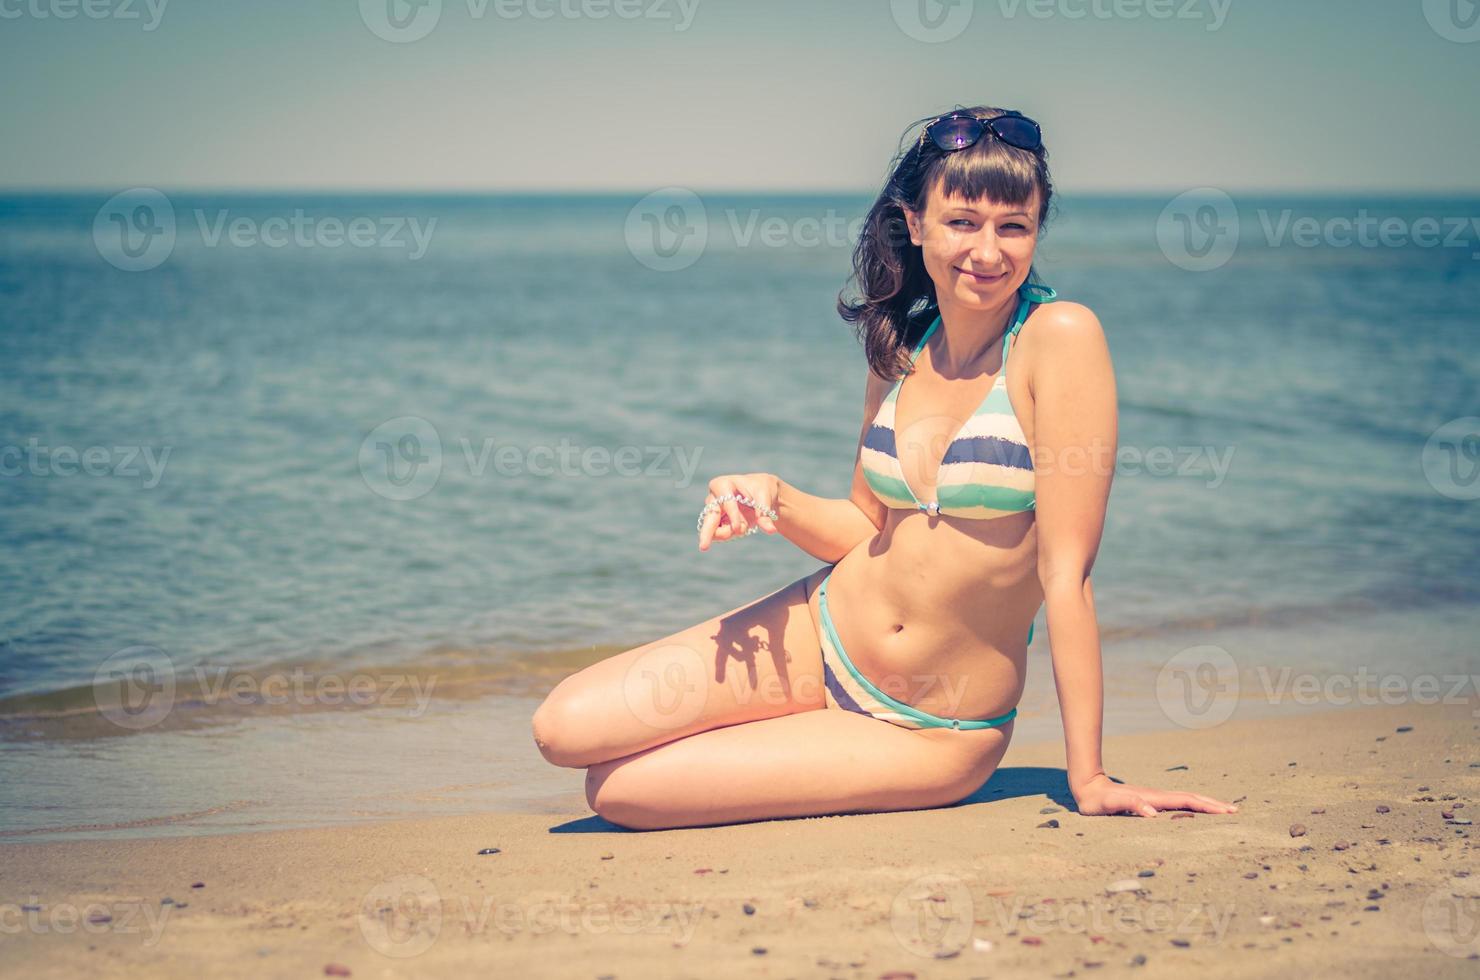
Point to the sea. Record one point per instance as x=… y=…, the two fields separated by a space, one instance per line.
x=307 y=499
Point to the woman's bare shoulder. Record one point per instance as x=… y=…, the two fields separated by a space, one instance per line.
x=1064 y=321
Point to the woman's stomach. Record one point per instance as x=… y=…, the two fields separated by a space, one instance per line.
x=938 y=616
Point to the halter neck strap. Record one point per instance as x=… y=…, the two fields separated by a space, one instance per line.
x=1029 y=292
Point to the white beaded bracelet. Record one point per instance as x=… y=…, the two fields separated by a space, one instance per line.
x=713 y=506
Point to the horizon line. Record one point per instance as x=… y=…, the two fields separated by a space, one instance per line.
x=264 y=190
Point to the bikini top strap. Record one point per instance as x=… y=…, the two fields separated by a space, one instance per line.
x=1031 y=293
x=926 y=336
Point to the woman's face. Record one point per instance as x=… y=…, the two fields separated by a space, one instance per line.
x=977 y=252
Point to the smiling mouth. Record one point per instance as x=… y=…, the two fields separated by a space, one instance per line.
x=980 y=278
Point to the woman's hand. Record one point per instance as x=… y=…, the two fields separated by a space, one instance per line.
x=734 y=519
x=1101 y=796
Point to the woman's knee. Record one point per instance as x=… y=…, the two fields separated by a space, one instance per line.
x=607 y=796
x=558 y=730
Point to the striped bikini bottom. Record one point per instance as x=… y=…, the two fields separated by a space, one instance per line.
x=848 y=689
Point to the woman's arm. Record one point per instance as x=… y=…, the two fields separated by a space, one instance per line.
x=1074 y=434
x=825 y=528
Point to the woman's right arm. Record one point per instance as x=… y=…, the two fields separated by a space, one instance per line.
x=823 y=527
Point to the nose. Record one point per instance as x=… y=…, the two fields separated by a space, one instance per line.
x=986 y=252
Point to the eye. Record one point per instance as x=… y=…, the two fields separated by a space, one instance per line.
x=1017 y=225
x=962 y=221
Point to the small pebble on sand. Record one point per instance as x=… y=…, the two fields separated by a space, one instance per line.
x=748 y=909
x=1403 y=728
x=1049 y=825
x=1297 y=830
x=336 y=970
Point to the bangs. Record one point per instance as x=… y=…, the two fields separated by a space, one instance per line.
x=989 y=170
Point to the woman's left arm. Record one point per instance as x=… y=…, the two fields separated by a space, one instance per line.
x=1074 y=435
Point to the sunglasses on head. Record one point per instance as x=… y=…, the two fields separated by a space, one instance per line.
x=958 y=130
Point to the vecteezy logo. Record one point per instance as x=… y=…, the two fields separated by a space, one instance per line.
x=668 y=229
x=1452 y=921
x=1199 y=687
x=933 y=915
x=1198 y=230
x=402 y=916
x=667 y=687
x=401 y=459
x=1454 y=20
x=135 y=230
x=1451 y=459
x=400 y=21
x=135 y=687
x=932 y=21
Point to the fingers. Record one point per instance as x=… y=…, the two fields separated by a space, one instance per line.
x=1214 y=806
x=715 y=527
x=712 y=529
x=761 y=517
x=732 y=511
x=731 y=518
x=708 y=530
x=1190 y=801
x=1143 y=809
x=758 y=512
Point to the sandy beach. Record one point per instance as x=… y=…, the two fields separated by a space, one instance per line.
x=1352 y=855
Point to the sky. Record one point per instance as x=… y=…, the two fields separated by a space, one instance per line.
x=633 y=95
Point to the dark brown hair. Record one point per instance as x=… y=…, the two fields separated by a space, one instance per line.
x=897 y=301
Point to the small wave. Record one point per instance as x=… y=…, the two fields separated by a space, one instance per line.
x=206 y=695
x=142 y=822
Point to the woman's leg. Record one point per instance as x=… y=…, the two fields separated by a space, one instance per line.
x=812 y=763
x=757 y=661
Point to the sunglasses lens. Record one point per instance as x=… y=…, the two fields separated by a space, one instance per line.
x=1017 y=131
x=956 y=132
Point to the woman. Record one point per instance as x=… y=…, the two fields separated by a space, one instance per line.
x=888 y=679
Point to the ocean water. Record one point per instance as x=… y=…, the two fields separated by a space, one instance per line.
x=451 y=448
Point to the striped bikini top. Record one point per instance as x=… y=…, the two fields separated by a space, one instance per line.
x=986 y=471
